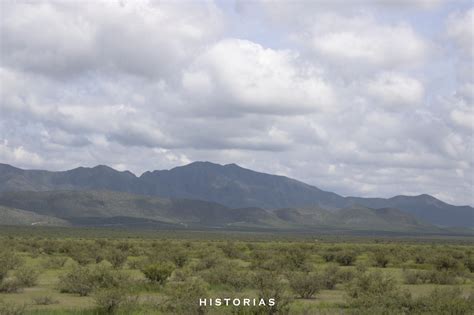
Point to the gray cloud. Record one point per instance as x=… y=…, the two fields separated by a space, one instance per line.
x=348 y=98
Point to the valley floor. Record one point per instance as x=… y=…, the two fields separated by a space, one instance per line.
x=87 y=271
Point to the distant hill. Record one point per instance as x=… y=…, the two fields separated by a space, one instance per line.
x=106 y=208
x=229 y=185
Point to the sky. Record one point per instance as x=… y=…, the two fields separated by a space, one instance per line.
x=363 y=98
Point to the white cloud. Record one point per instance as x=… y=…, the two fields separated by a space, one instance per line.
x=460 y=28
x=361 y=39
x=18 y=155
x=139 y=37
x=394 y=91
x=357 y=104
x=241 y=76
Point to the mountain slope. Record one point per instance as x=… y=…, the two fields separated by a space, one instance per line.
x=105 y=208
x=11 y=216
x=84 y=206
x=424 y=207
x=234 y=186
x=229 y=185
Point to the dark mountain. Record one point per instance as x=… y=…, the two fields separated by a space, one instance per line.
x=234 y=186
x=423 y=207
x=229 y=185
x=81 y=178
x=106 y=208
x=87 y=206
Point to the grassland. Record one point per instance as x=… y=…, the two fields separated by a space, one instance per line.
x=108 y=271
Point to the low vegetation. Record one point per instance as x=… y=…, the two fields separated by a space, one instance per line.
x=169 y=273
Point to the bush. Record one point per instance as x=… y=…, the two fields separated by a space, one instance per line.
x=8 y=308
x=345 y=275
x=158 y=272
x=230 y=250
x=296 y=259
x=445 y=263
x=306 y=285
x=183 y=296
x=445 y=301
x=380 y=259
x=77 y=280
x=9 y=260
x=109 y=300
x=346 y=258
x=443 y=277
x=27 y=276
x=227 y=273
x=329 y=276
x=44 y=300
x=208 y=261
x=373 y=290
x=329 y=256
x=10 y=285
x=433 y=276
x=270 y=285
x=416 y=276
x=117 y=258
x=84 y=280
x=469 y=263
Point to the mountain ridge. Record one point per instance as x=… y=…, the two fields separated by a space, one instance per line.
x=229 y=185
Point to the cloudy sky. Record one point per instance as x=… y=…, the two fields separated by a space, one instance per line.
x=374 y=98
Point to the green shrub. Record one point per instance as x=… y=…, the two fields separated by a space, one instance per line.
x=346 y=258
x=10 y=260
x=380 y=259
x=443 y=277
x=9 y=308
x=469 y=263
x=306 y=285
x=83 y=280
x=109 y=300
x=345 y=275
x=117 y=258
x=416 y=276
x=230 y=250
x=158 y=272
x=179 y=258
x=445 y=301
x=10 y=285
x=227 y=273
x=329 y=276
x=208 y=261
x=374 y=290
x=269 y=284
x=444 y=262
x=44 y=300
x=27 y=276
x=182 y=297
x=78 y=280
x=295 y=259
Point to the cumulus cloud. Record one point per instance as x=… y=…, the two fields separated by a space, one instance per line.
x=357 y=98
x=239 y=75
x=138 y=37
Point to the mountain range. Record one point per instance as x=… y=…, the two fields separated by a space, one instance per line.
x=207 y=195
